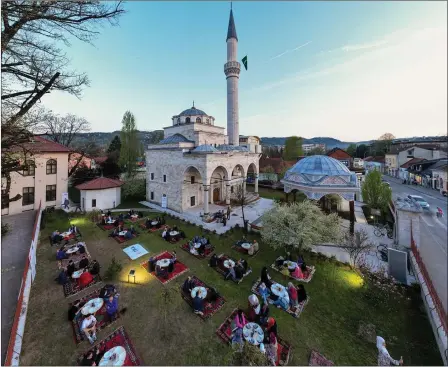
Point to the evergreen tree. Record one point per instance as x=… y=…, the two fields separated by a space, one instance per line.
x=115 y=145
x=351 y=149
x=130 y=146
x=293 y=148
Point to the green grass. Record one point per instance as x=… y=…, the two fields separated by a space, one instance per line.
x=166 y=332
x=131 y=203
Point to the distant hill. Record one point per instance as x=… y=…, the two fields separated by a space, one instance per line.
x=104 y=139
x=330 y=143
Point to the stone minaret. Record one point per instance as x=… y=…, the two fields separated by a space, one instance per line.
x=232 y=70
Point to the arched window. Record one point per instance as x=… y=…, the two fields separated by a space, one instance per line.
x=198 y=120
x=52 y=166
x=187 y=120
x=29 y=168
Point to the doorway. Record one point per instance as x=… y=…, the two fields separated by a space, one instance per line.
x=215 y=195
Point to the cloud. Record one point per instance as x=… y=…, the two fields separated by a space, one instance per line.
x=289 y=51
x=363 y=46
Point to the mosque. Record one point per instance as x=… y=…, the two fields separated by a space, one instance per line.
x=197 y=164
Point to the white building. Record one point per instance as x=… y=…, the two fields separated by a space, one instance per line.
x=252 y=143
x=197 y=163
x=309 y=147
x=100 y=193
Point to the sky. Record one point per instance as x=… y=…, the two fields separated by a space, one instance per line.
x=349 y=70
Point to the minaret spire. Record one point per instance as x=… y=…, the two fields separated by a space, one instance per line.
x=231 y=30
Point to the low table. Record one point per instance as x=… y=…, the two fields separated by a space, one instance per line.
x=122 y=233
x=197 y=245
x=114 y=357
x=290 y=264
x=229 y=263
x=278 y=290
x=253 y=333
x=72 y=250
x=174 y=233
x=163 y=263
x=92 y=306
x=195 y=290
x=154 y=223
x=77 y=273
x=246 y=246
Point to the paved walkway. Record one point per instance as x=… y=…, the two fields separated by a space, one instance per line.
x=15 y=247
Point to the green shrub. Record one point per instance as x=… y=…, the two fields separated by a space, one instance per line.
x=113 y=270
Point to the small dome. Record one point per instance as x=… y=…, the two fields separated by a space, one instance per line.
x=176 y=138
x=193 y=111
x=229 y=148
x=205 y=148
x=319 y=165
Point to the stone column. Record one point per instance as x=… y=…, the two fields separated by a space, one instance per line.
x=256 y=184
x=244 y=185
x=206 y=190
x=227 y=192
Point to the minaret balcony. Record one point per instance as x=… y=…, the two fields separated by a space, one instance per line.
x=232 y=68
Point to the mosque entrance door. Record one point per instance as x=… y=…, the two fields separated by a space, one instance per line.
x=215 y=195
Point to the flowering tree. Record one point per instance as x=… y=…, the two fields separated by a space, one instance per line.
x=299 y=225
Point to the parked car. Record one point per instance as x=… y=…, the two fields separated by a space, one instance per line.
x=418 y=199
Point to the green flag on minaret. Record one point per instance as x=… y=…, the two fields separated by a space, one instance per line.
x=244 y=60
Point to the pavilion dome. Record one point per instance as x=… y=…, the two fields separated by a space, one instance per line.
x=320 y=165
x=193 y=111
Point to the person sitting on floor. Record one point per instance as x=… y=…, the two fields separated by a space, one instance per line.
x=109 y=219
x=162 y=220
x=292 y=292
x=297 y=273
x=168 y=236
x=231 y=274
x=128 y=235
x=109 y=213
x=213 y=261
x=254 y=307
x=56 y=237
x=164 y=233
x=265 y=277
x=240 y=320
x=212 y=295
x=61 y=255
x=198 y=304
x=282 y=302
x=84 y=263
x=114 y=233
x=81 y=248
x=95 y=268
x=73 y=229
x=264 y=292
x=70 y=268
x=244 y=265
x=88 y=326
x=74 y=310
x=152 y=264
x=201 y=249
x=112 y=307
x=161 y=272
x=271 y=326
x=264 y=313
x=147 y=223
x=272 y=349
x=301 y=293
x=107 y=291
x=288 y=256
x=121 y=217
x=92 y=358
x=188 y=285
x=175 y=229
x=62 y=278
x=85 y=279
x=174 y=257
x=120 y=228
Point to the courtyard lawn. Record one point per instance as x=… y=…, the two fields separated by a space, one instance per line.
x=165 y=331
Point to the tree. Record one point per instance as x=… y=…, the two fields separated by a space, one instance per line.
x=115 y=145
x=317 y=151
x=134 y=189
x=33 y=65
x=293 y=148
x=269 y=173
x=83 y=174
x=130 y=148
x=361 y=151
x=356 y=245
x=282 y=170
x=387 y=136
x=351 y=149
x=241 y=198
x=376 y=193
x=299 y=225
x=382 y=145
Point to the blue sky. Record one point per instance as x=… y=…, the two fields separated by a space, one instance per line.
x=351 y=70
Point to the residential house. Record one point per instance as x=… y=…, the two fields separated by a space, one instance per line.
x=278 y=165
x=309 y=147
x=252 y=143
x=100 y=193
x=374 y=163
x=44 y=181
x=421 y=173
x=440 y=176
x=403 y=173
x=342 y=156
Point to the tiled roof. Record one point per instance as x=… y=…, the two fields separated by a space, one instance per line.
x=377 y=159
x=42 y=145
x=411 y=162
x=338 y=153
x=193 y=111
x=176 y=138
x=276 y=163
x=100 y=184
x=205 y=148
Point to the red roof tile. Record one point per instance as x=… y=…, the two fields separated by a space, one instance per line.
x=411 y=162
x=100 y=184
x=42 y=145
x=276 y=163
x=100 y=160
x=338 y=153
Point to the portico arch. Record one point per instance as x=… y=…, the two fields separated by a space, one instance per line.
x=218 y=184
x=192 y=188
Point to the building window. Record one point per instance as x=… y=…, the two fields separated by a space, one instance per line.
x=187 y=120
x=198 y=120
x=192 y=201
x=231 y=189
x=164 y=178
x=93 y=203
x=192 y=179
x=51 y=193
x=51 y=167
x=30 y=168
x=152 y=176
x=152 y=195
x=5 y=200
x=27 y=196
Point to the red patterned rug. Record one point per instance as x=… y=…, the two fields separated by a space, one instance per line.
x=179 y=268
x=243 y=250
x=221 y=269
x=76 y=259
x=293 y=312
x=308 y=275
x=100 y=315
x=71 y=288
x=210 y=308
x=225 y=334
x=208 y=252
x=317 y=359
x=122 y=239
x=118 y=338
x=69 y=237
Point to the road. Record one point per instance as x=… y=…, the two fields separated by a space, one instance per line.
x=433 y=233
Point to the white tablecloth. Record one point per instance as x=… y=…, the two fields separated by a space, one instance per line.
x=72 y=250
x=174 y=233
x=229 y=264
x=163 y=263
x=197 y=245
x=154 y=223
x=92 y=306
x=196 y=290
x=246 y=246
x=278 y=290
x=122 y=233
x=114 y=357
x=77 y=273
x=290 y=264
x=253 y=333
x=110 y=222
x=65 y=234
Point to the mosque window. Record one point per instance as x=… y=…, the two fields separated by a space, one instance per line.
x=187 y=120
x=198 y=120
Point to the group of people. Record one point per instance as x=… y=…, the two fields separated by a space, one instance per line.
x=162 y=271
x=199 y=300
x=269 y=346
x=158 y=222
x=128 y=233
x=56 y=236
x=236 y=272
x=204 y=245
x=299 y=269
x=166 y=234
x=252 y=249
x=62 y=254
x=90 y=270
x=222 y=217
